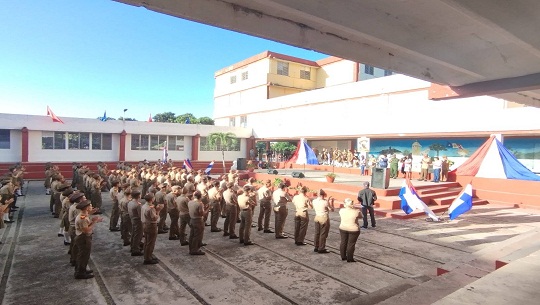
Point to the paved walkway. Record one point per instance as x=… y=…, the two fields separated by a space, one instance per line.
x=36 y=268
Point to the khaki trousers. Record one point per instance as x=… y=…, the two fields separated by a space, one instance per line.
x=245 y=225
x=136 y=235
x=300 y=227
x=184 y=222
x=264 y=214
x=150 y=236
x=84 y=247
x=196 y=234
x=280 y=215
x=321 y=233
x=229 y=226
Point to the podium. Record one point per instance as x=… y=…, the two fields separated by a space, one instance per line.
x=380 y=178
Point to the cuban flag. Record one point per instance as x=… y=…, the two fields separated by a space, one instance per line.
x=410 y=201
x=165 y=153
x=209 y=168
x=462 y=204
x=187 y=165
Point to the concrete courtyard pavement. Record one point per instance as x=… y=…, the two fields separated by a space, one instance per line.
x=395 y=256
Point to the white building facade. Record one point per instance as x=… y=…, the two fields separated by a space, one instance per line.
x=38 y=139
x=352 y=101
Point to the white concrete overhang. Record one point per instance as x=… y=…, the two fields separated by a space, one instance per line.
x=479 y=47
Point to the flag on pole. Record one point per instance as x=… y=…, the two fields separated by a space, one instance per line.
x=410 y=201
x=188 y=121
x=209 y=168
x=165 y=153
x=150 y=118
x=104 y=117
x=53 y=116
x=462 y=204
x=187 y=165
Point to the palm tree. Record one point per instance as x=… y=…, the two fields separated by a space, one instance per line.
x=223 y=140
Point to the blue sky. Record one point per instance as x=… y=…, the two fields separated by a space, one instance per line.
x=84 y=57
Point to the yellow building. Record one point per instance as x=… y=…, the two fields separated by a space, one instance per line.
x=270 y=75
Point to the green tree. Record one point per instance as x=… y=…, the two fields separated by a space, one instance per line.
x=205 y=121
x=282 y=146
x=437 y=147
x=165 y=117
x=222 y=140
x=182 y=118
x=125 y=119
x=108 y=118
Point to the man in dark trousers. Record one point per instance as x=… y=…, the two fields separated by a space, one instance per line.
x=367 y=198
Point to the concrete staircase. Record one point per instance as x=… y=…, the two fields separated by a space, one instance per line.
x=438 y=197
x=472 y=277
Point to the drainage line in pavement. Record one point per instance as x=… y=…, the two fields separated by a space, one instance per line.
x=184 y=284
x=311 y=268
x=223 y=260
x=171 y=273
x=102 y=287
x=11 y=253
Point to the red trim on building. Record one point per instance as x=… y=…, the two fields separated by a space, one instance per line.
x=195 y=141
x=263 y=55
x=24 y=146
x=328 y=60
x=437 y=92
x=356 y=71
x=122 y=154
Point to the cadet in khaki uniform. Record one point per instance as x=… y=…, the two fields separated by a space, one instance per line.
x=172 y=209
x=301 y=220
x=280 y=199
x=183 y=214
x=125 y=224
x=84 y=227
x=115 y=211
x=73 y=212
x=134 y=210
x=264 y=194
x=160 y=199
x=231 y=210
x=196 y=214
x=246 y=202
x=64 y=219
x=214 y=196
x=322 y=207
x=150 y=216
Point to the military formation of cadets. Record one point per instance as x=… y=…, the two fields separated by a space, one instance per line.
x=143 y=196
x=11 y=188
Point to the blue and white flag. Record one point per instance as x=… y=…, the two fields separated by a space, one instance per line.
x=462 y=204
x=410 y=201
x=104 y=117
x=187 y=165
x=209 y=168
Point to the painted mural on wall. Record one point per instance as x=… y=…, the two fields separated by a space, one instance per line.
x=526 y=150
x=451 y=147
x=523 y=148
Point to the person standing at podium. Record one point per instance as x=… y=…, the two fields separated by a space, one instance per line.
x=367 y=198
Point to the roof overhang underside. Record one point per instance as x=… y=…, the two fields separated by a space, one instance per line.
x=480 y=47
